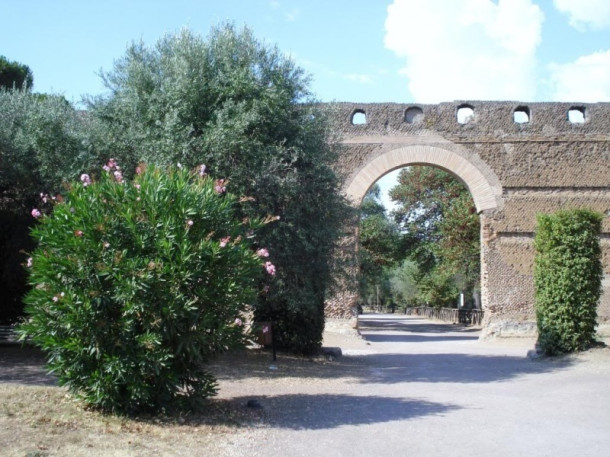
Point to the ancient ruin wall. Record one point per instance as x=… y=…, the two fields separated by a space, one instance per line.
x=544 y=164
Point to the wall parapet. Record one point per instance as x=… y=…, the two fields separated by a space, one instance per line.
x=494 y=119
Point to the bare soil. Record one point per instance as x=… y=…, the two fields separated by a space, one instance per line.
x=39 y=418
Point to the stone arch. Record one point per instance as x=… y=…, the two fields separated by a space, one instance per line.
x=481 y=181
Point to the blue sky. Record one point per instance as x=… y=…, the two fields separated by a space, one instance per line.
x=424 y=51
x=356 y=50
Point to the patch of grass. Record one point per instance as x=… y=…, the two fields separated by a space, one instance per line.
x=41 y=421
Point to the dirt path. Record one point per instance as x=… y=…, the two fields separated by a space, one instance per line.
x=408 y=387
x=417 y=388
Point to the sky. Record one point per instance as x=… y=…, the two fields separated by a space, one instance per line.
x=404 y=51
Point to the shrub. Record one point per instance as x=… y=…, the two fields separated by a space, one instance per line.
x=245 y=109
x=567 y=278
x=136 y=285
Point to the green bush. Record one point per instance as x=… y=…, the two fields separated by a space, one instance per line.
x=137 y=284
x=245 y=109
x=567 y=278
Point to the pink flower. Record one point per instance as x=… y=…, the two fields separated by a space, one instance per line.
x=118 y=176
x=30 y=262
x=138 y=170
x=262 y=252
x=266 y=329
x=224 y=241
x=189 y=223
x=201 y=170
x=78 y=233
x=44 y=197
x=238 y=322
x=112 y=163
x=106 y=168
x=55 y=298
x=85 y=179
x=219 y=186
x=36 y=213
x=137 y=186
x=270 y=268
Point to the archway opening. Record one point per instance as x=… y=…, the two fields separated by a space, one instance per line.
x=419 y=237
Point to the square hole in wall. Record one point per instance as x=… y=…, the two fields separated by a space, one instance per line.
x=359 y=117
x=414 y=115
x=576 y=115
x=465 y=114
x=521 y=115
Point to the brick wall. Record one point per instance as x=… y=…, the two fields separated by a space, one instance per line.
x=513 y=169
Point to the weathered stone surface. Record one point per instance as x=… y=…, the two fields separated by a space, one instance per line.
x=513 y=170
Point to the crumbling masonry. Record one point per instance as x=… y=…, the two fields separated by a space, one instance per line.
x=517 y=159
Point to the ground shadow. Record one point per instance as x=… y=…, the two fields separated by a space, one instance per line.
x=324 y=411
x=24 y=365
x=454 y=368
x=410 y=324
x=417 y=338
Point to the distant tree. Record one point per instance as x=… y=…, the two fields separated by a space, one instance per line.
x=380 y=243
x=245 y=110
x=15 y=75
x=441 y=232
x=403 y=282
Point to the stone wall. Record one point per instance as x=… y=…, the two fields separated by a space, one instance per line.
x=514 y=170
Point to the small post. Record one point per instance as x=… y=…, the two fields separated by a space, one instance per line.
x=273 y=344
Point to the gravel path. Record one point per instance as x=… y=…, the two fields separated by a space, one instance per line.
x=417 y=388
x=407 y=387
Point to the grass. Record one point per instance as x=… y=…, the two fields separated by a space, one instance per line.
x=46 y=421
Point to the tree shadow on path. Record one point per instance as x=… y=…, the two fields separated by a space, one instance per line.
x=24 y=365
x=453 y=368
x=324 y=411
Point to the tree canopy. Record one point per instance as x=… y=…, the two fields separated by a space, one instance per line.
x=15 y=75
x=437 y=214
x=244 y=110
x=439 y=229
x=380 y=243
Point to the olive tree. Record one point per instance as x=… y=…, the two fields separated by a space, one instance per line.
x=245 y=110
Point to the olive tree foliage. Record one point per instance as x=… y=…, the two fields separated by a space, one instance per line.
x=43 y=142
x=42 y=145
x=567 y=279
x=245 y=110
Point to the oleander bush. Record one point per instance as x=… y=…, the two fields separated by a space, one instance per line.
x=135 y=285
x=567 y=278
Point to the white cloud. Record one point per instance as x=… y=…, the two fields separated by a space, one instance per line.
x=358 y=78
x=292 y=15
x=467 y=49
x=584 y=14
x=587 y=79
